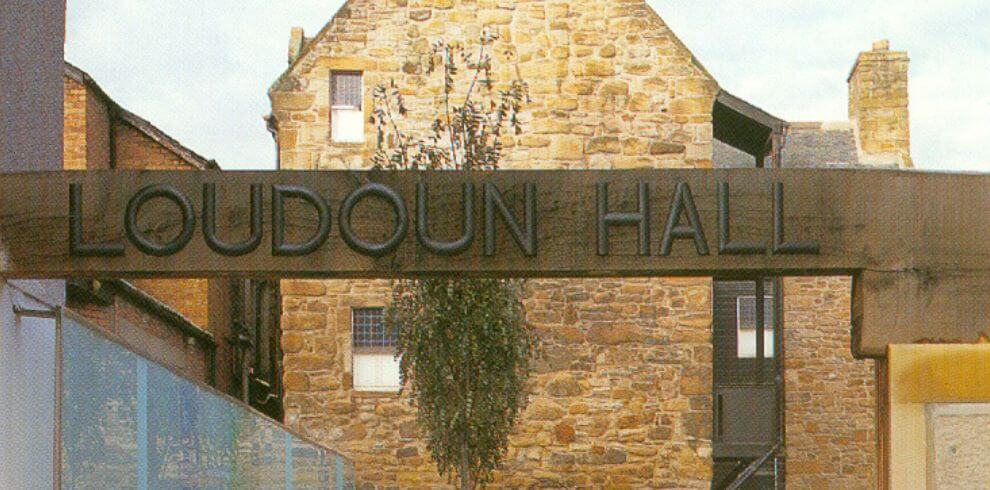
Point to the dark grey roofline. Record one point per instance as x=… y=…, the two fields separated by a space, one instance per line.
x=141 y=124
x=163 y=311
x=771 y=122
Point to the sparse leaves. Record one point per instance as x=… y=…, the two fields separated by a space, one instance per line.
x=464 y=343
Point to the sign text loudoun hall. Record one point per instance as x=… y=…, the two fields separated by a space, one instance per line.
x=915 y=243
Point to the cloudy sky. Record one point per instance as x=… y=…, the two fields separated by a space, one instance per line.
x=200 y=69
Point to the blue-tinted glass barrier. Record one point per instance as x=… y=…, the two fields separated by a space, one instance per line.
x=129 y=423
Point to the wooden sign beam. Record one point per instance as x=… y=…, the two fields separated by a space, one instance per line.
x=916 y=243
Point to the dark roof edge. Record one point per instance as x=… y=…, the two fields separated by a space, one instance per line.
x=163 y=311
x=141 y=124
x=750 y=111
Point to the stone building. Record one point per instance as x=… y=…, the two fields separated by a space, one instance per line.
x=645 y=382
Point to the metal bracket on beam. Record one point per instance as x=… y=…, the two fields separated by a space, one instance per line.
x=35 y=313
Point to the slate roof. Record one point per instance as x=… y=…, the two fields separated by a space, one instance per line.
x=806 y=145
x=816 y=144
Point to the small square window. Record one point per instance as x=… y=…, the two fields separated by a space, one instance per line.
x=369 y=332
x=746 y=327
x=347 y=107
x=347 y=90
x=375 y=366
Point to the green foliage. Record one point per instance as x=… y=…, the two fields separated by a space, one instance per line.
x=466 y=351
x=464 y=343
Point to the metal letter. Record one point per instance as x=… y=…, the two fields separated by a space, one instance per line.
x=400 y=213
x=210 y=226
x=725 y=244
x=494 y=202
x=780 y=246
x=607 y=219
x=279 y=194
x=683 y=202
x=140 y=240
x=77 y=247
x=422 y=222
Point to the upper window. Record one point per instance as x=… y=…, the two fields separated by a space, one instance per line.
x=347 y=111
x=746 y=327
x=375 y=366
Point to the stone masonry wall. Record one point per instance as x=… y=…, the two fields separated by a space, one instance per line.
x=612 y=87
x=621 y=396
x=878 y=105
x=830 y=397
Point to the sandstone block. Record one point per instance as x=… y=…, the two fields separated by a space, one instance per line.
x=292 y=101
x=544 y=410
x=604 y=144
x=664 y=148
x=567 y=148
x=614 y=334
x=596 y=68
x=564 y=433
x=495 y=17
x=564 y=385
x=303 y=288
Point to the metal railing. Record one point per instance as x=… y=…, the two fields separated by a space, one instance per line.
x=743 y=474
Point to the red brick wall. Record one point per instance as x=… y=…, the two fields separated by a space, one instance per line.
x=190 y=297
x=74 y=135
x=148 y=335
x=88 y=147
x=136 y=151
x=98 y=120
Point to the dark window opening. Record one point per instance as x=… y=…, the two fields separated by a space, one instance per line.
x=747 y=392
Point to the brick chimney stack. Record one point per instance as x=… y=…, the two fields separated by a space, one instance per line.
x=878 y=106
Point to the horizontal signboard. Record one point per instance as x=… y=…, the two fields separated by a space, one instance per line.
x=902 y=234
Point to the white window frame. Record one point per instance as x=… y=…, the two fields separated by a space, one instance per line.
x=768 y=330
x=346 y=115
x=386 y=377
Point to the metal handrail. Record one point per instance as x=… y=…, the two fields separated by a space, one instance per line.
x=753 y=467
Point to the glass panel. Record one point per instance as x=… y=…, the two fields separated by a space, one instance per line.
x=746 y=326
x=130 y=423
x=347 y=90
x=99 y=411
x=190 y=435
x=369 y=330
x=347 y=125
x=27 y=395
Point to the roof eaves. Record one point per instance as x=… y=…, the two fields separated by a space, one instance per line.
x=142 y=125
x=752 y=112
x=163 y=311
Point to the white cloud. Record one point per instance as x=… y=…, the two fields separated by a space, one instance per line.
x=200 y=69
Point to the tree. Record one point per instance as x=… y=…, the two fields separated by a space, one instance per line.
x=464 y=345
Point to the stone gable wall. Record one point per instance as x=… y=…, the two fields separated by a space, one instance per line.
x=622 y=396
x=612 y=87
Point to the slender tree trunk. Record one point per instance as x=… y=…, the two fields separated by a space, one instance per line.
x=467 y=480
